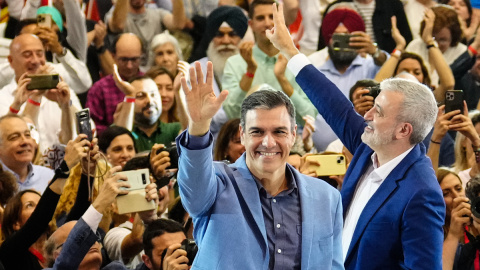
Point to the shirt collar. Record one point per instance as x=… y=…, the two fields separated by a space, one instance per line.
x=291 y=184
x=29 y=174
x=262 y=57
x=384 y=170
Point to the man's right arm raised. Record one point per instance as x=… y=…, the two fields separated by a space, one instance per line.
x=196 y=176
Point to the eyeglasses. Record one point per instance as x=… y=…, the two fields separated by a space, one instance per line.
x=125 y=60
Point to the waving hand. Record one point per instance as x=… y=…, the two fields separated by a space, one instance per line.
x=202 y=104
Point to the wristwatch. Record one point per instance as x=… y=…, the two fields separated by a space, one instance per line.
x=62 y=171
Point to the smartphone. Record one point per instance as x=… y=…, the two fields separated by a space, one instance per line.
x=44 y=20
x=329 y=164
x=453 y=100
x=135 y=200
x=83 y=123
x=43 y=81
x=173 y=154
x=341 y=42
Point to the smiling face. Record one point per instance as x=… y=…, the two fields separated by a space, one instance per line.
x=268 y=138
x=165 y=87
x=148 y=104
x=121 y=150
x=382 y=124
x=166 y=56
x=16 y=145
x=26 y=54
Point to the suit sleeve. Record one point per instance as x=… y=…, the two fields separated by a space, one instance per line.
x=337 y=262
x=423 y=225
x=335 y=108
x=78 y=243
x=196 y=177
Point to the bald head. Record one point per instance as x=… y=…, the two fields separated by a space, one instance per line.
x=127 y=54
x=26 y=54
x=51 y=247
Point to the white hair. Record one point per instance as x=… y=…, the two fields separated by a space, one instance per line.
x=418 y=108
x=161 y=39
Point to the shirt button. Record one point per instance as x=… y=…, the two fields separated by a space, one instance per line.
x=279 y=251
x=274 y=200
x=278 y=225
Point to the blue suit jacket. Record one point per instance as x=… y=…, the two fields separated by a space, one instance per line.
x=224 y=202
x=78 y=243
x=401 y=225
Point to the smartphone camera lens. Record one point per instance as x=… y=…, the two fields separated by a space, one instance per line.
x=144 y=179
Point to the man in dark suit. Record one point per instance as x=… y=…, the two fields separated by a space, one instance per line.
x=393 y=205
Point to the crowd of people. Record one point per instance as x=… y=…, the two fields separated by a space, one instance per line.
x=223 y=102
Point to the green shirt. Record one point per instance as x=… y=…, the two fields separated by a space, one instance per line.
x=164 y=134
x=235 y=67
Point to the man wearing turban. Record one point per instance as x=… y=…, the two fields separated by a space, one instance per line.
x=344 y=67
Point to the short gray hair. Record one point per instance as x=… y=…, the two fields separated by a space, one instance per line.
x=418 y=108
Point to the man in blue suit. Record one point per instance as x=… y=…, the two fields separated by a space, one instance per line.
x=258 y=213
x=393 y=206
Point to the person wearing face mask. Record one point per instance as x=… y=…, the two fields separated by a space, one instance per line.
x=344 y=67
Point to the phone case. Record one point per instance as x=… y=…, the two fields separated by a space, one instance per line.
x=329 y=164
x=135 y=200
x=83 y=123
x=43 y=82
x=454 y=100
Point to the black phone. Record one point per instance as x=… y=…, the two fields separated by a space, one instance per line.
x=341 y=42
x=43 y=81
x=453 y=100
x=83 y=123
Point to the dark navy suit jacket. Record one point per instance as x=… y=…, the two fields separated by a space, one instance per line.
x=401 y=225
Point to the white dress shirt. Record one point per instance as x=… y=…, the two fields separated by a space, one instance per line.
x=366 y=187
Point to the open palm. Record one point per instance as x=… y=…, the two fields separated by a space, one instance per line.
x=202 y=103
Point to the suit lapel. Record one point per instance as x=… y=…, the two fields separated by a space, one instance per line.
x=382 y=194
x=307 y=203
x=355 y=172
x=250 y=194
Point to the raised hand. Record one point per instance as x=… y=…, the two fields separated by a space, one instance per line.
x=246 y=51
x=362 y=103
x=362 y=42
x=279 y=35
x=397 y=36
x=124 y=86
x=463 y=124
x=429 y=19
x=202 y=104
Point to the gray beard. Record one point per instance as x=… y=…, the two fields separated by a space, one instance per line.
x=219 y=59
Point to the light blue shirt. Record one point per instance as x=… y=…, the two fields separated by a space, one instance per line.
x=360 y=69
x=236 y=67
x=38 y=177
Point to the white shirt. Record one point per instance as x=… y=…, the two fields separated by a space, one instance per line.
x=366 y=187
x=49 y=115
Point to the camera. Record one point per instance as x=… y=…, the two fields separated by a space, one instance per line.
x=472 y=191
x=190 y=247
x=374 y=91
x=173 y=154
